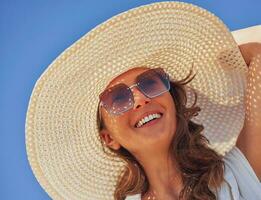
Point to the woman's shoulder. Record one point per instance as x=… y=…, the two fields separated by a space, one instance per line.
x=241 y=181
x=237 y=163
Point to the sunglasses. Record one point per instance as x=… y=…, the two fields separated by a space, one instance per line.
x=119 y=98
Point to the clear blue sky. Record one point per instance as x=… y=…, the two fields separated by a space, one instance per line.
x=32 y=35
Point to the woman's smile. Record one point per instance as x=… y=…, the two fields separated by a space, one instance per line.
x=152 y=120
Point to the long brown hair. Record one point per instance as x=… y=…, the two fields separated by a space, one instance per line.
x=201 y=167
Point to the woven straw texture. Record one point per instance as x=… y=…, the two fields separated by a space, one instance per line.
x=61 y=136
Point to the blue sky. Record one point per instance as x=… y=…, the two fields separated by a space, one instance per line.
x=32 y=35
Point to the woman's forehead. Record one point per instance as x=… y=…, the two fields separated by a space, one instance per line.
x=127 y=77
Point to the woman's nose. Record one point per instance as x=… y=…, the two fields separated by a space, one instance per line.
x=139 y=98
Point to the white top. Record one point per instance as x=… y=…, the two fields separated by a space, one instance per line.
x=241 y=182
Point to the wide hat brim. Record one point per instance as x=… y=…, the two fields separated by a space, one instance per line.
x=62 y=140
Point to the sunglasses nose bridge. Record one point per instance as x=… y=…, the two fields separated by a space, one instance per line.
x=139 y=97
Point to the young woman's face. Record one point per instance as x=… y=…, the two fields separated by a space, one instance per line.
x=121 y=130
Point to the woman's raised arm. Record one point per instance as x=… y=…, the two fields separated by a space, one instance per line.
x=249 y=140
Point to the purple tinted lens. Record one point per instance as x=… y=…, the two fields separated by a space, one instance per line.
x=153 y=82
x=117 y=99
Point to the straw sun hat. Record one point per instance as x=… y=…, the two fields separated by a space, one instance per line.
x=62 y=140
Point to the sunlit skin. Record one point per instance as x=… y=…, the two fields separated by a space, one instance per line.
x=249 y=140
x=148 y=144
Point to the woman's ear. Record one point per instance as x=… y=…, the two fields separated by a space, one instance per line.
x=107 y=138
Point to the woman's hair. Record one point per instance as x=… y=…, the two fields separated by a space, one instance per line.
x=202 y=168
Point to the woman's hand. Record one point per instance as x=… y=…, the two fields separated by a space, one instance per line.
x=250 y=50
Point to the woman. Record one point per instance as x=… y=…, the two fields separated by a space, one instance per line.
x=166 y=78
x=160 y=148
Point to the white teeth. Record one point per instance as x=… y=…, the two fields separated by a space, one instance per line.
x=147 y=118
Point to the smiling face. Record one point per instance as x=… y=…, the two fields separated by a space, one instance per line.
x=122 y=130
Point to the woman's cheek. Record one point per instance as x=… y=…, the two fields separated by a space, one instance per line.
x=118 y=124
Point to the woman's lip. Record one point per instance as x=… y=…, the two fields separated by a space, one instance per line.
x=152 y=122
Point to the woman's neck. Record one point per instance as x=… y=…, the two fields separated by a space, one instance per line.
x=164 y=177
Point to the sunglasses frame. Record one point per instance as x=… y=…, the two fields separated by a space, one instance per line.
x=130 y=88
